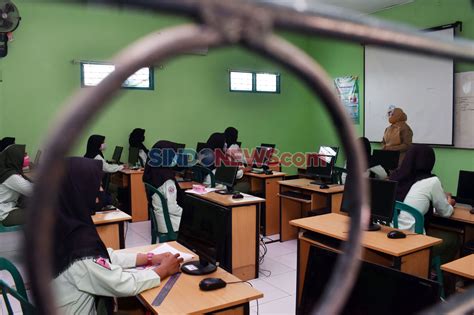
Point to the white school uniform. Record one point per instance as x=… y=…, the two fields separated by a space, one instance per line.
x=106 y=167
x=419 y=197
x=10 y=190
x=143 y=156
x=169 y=190
x=75 y=289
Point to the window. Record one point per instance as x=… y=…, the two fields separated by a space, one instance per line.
x=254 y=82
x=92 y=73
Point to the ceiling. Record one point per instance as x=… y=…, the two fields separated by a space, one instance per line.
x=363 y=6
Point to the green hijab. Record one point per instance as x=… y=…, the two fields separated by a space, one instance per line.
x=11 y=162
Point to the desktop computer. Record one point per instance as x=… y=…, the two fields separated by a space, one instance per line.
x=117 y=155
x=320 y=167
x=465 y=192
x=133 y=156
x=225 y=175
x=377 y=289
x=382 y=201
x=261 y=157
x=387 y=159
x=329 y=152
x=203 y=229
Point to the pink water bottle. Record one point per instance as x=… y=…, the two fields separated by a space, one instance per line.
x=26 y=162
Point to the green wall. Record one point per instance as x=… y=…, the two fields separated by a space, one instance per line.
x=191 y=97
x=341 y=59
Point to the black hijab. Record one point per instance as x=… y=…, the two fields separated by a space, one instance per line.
x=417 y=165
x=365 y=143
x=93 y=146
x=158 y=175
x=215 y=142
x=231 y=135
x=136 y=139
x=5 y=142
x=11 y=162
x=75 y=234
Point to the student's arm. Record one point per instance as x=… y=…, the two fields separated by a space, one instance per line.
x=129 y=260
x=19 y=184
x=440 y=202
x=109 y=168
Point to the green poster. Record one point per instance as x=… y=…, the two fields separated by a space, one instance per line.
x=348 y=89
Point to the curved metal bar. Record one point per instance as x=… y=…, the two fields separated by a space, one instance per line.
x=316 y=78
x=66 y=130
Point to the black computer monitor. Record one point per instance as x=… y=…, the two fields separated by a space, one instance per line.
x=261 y=157
x=117 y=154
x=133 y=156
x=268 y=145
x=387 y=159
x=204 y=229
x=377 y=289
x=329 y=151
x=465 y=192
x=319 y=167
x=225 y=175
x=382 y=201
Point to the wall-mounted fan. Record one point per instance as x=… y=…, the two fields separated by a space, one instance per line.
x=9 y=21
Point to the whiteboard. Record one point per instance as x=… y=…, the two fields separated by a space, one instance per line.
x=422 y=86
x=464 y=110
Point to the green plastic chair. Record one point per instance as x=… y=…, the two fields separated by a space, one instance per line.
x=171 y=235
x=337 y=176
x=200 y=172
x=419 y=229
x=13 y=228
x=20 y=292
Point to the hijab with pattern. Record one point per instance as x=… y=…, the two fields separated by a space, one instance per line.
x=136 y=139
x=5 y=142
x=11 y=162
x=93 y=146
x=417 y=165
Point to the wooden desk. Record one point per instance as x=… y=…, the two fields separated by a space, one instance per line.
x=463 y=267
x=410 y=255
x=294 y=208
x=268 y=186
x=133 y=180
x=109 y=225
x=462 y=221
x=188 y=185
x=244 y=234
x=186 y=298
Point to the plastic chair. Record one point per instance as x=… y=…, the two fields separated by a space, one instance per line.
x=171 y=235
x=419 y=229
x=20 y=292
x=200 y=172
x=337 y=176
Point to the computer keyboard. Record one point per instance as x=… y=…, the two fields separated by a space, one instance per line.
x=295 y=194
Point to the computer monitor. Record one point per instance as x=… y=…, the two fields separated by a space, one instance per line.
x=268 y=145
x=382 y=201
x=225 y=175
x=465 y=192
x=117 y=154
x=37 y=157
x=319 y=167
x=329 y=152
x=377 y=289
x=133 y=156
x=261 y=157
x=204 y=229
x=387 y=159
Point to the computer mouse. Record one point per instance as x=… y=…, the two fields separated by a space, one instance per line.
x=471 y=211
x=237 y=196
x=209 y=284
x=268 y=172
x=323 y=186
x=396 y=234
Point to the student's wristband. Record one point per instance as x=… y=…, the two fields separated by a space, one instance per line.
x=149 y=259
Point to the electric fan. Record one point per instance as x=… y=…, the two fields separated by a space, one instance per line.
x=9 y=21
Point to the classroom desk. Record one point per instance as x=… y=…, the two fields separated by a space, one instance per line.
x=268 y=186
x=410 y=255
x=463 y=267
x=187 y=184
x=461 y=221
x=244 y=235
x=110 y=226
x=133 y=180
x=186 y=298
x=294 y=208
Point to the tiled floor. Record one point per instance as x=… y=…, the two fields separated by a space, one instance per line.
x=277 y=279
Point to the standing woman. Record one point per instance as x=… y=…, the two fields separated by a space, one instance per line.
x=13 y=185
x=136 y=139
x=95 y=146
x=87 y=275
x=162 y=177
x=398 y=136
x=234 y=152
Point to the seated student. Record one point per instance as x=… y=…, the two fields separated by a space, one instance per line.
x=163 y=179
x=136 y=139
x=95 y=146
x=5 y=142
x=13 y=185
x=422 y=190
x=86 y=274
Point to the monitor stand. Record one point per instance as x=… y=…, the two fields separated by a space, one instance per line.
x=197 y=268
x=373 y=226
x=227 y=191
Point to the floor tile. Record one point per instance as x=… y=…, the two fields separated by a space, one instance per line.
x=284 y=305
x=285 y=282
x=278 y=249
x=291 y=244
x=143 y=228
x=270 y=292
x=289 y=260
x=11 y=241
x=274 y=267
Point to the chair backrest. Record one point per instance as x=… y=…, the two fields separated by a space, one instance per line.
x=20 y=292
x=419 y=218
x=163 y=237
x=13 y=228
x=200 y=172
x=337 y=175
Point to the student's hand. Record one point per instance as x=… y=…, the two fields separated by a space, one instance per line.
x=451 y=201
x=125 y=166
x=169 y=266
x=157 y=259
